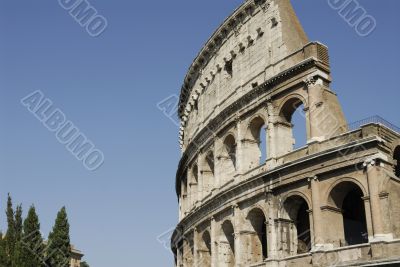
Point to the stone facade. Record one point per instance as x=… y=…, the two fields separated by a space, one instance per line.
x=333 y=202
x=76 y=257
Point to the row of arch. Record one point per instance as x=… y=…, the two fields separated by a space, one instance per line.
x=253 y=148
x=295 y=227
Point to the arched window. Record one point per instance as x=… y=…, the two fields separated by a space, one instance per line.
x=194 y=191
x=255 y=143
x=205 y=250
x=227 y=245
x=184 y=194
x=184 y=187
x=347 y=196
x=396 y=157
x=259 y=247
x=207 y=171
x=230 y=149
x=195 y=173
x=210 y=162
x=292 y=128
x=296 y=211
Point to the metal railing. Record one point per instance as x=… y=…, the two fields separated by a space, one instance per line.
x=373 y=120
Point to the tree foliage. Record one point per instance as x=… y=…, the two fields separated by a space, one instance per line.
x=23 y=246
x=58 y=251
x=30 y=249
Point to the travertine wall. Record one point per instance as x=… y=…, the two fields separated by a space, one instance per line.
x=301 y=207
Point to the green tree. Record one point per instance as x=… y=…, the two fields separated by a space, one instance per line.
x=3 y=254
x=84 y=264
x=58 y=251
x=18 y=236
x=18 y=223
x=10 y=234
x=30 y=248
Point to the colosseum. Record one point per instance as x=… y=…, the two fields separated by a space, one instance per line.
x=248 y=202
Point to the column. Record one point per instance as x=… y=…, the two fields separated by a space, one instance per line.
x=238 y=240
x=214 y=243
x=240 y=153
x=271 y=135
x=196 y=255
x=374 y=178
x=317 y=214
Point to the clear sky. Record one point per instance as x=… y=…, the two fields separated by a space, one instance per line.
x=109 y=87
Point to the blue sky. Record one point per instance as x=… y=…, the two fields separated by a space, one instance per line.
x=109 y=87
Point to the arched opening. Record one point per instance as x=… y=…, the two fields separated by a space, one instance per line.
x=293 y=126
x=230 y=149
x=205 y=250
x=259 y=244
x=210 y=161
x=263 y=144
x=396 y=157
x=348 y=197
x=195 y=173
x=208 y=172
x=255 y=143
x=194 y=184
x=227 y=245
x=227 y=160
x=184 y=194
x=299 y=127
x=298 y=225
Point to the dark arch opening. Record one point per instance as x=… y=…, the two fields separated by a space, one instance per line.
x=210 y=161
x=207 y=241
x=195 y=172
x=227 y=228
x=349 y=198
x=184 y=186
x=297 y=210
x=396 y=157
x=303 y=229
x=230 y=146
x=259 y=224
x=205 y=250
x=227 y=244
x=354 y=221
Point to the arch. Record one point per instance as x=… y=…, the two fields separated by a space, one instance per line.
x=195 y=173
x=259 y=243
x=299 y=194
x=396 y=158
x=209 y=162
x=296 y=209
x=205 y=250
x=227 y=244
x=290 y=102
x=207 y=172
x=347 y=196
x=194 y=181
x=292 y=128
x=290 y=106
x=184 y=186
x=230 y=148
x=329 y=199
x=255 y=142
